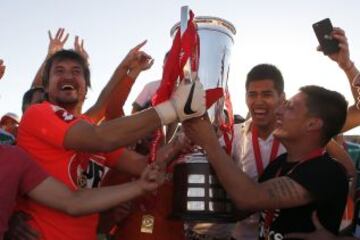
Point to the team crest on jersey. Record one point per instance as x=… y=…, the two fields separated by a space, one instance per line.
x=86 y=170
x=63 y=114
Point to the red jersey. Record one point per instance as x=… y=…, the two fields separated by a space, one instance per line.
x=41 y=133
x=18 y=176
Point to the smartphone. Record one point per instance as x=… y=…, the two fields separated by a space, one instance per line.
x=323 y=31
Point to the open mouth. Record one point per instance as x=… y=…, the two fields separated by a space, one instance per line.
x=259 y=112
x=67 y=87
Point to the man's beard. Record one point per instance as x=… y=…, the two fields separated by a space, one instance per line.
x=67 y=102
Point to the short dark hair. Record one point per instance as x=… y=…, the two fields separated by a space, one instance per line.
x=328 y=105
x=266 y=71
x=65 y=55
x=28 y=96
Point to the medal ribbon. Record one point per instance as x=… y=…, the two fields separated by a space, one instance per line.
x=257 y=153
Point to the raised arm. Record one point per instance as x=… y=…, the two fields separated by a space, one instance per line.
x=186 y=102
x=55 y=194
x=116 y=91
x=342 y=58
x=55 y=44
x=337 y=151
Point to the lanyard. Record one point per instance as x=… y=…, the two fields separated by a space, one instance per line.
x=269 y=214
x=257 y=153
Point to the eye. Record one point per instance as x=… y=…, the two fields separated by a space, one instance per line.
x=76 y=71
x=251 y=94
x=59 y=70
x=268 y=94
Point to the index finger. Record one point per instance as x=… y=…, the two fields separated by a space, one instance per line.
x=50 y=35
x=137 y=47
x=66 y=38
x=339 y=30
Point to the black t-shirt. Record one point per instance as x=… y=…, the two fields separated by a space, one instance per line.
x=326 y=181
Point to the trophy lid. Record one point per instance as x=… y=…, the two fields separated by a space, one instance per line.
x=208 y=22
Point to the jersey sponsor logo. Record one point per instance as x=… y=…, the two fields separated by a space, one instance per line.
x=63 y=114
x=187 y=107
x=86 y=170
x=265 y=233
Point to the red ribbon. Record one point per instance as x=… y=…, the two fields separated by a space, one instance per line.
x=227 y=128
x=257 y=153
x=183 y=48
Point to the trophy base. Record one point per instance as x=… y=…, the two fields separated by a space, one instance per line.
x=198 y=195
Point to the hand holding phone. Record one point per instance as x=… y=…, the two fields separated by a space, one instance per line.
x=323 y=31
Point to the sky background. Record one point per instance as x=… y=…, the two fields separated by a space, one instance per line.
x=277 y=32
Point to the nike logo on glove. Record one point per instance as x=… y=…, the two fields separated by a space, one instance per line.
x=187 y=107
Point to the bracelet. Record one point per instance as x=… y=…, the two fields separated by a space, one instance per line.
x=354 y=80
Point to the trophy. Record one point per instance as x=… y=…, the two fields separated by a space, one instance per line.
x=198 y=195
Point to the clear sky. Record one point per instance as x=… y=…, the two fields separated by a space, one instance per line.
x=276 y=31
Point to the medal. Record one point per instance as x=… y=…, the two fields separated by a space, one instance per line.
x=147 y=224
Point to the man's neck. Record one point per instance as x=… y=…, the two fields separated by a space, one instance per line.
x=300 y=150
x=73 y=109
x=265 y=131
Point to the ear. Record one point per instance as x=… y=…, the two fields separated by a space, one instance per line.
x=314 y=124
x=282 y=97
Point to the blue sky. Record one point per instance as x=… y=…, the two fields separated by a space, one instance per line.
x=276 y=31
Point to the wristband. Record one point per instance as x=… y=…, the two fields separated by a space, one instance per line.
x=166 y=112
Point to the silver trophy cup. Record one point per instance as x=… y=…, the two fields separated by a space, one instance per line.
x=198 y=195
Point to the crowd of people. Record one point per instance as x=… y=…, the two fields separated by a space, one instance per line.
x=73 y=174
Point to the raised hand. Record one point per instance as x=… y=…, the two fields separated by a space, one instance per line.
x=2 y=68
x=137 y=60
x=188 y=101
x=79 y=48
x=342 y=57
x=57 y=43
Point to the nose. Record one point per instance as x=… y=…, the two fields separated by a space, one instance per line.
x=68 y=74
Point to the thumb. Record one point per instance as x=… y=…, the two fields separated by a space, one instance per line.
x=316 y=221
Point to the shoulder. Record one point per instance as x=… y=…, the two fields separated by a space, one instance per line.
x=35 y=110
x=13 y=153
x=324 y=166
x=322 y=175
x=241 y=129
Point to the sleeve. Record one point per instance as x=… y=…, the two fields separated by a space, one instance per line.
x=143 y=97
x=48 y=123
x=32 y=173
x=323 y=178
x=113 y=157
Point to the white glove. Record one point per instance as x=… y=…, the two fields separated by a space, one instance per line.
x=188 y=101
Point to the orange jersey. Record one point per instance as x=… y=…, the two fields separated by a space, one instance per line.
x=41 y=133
